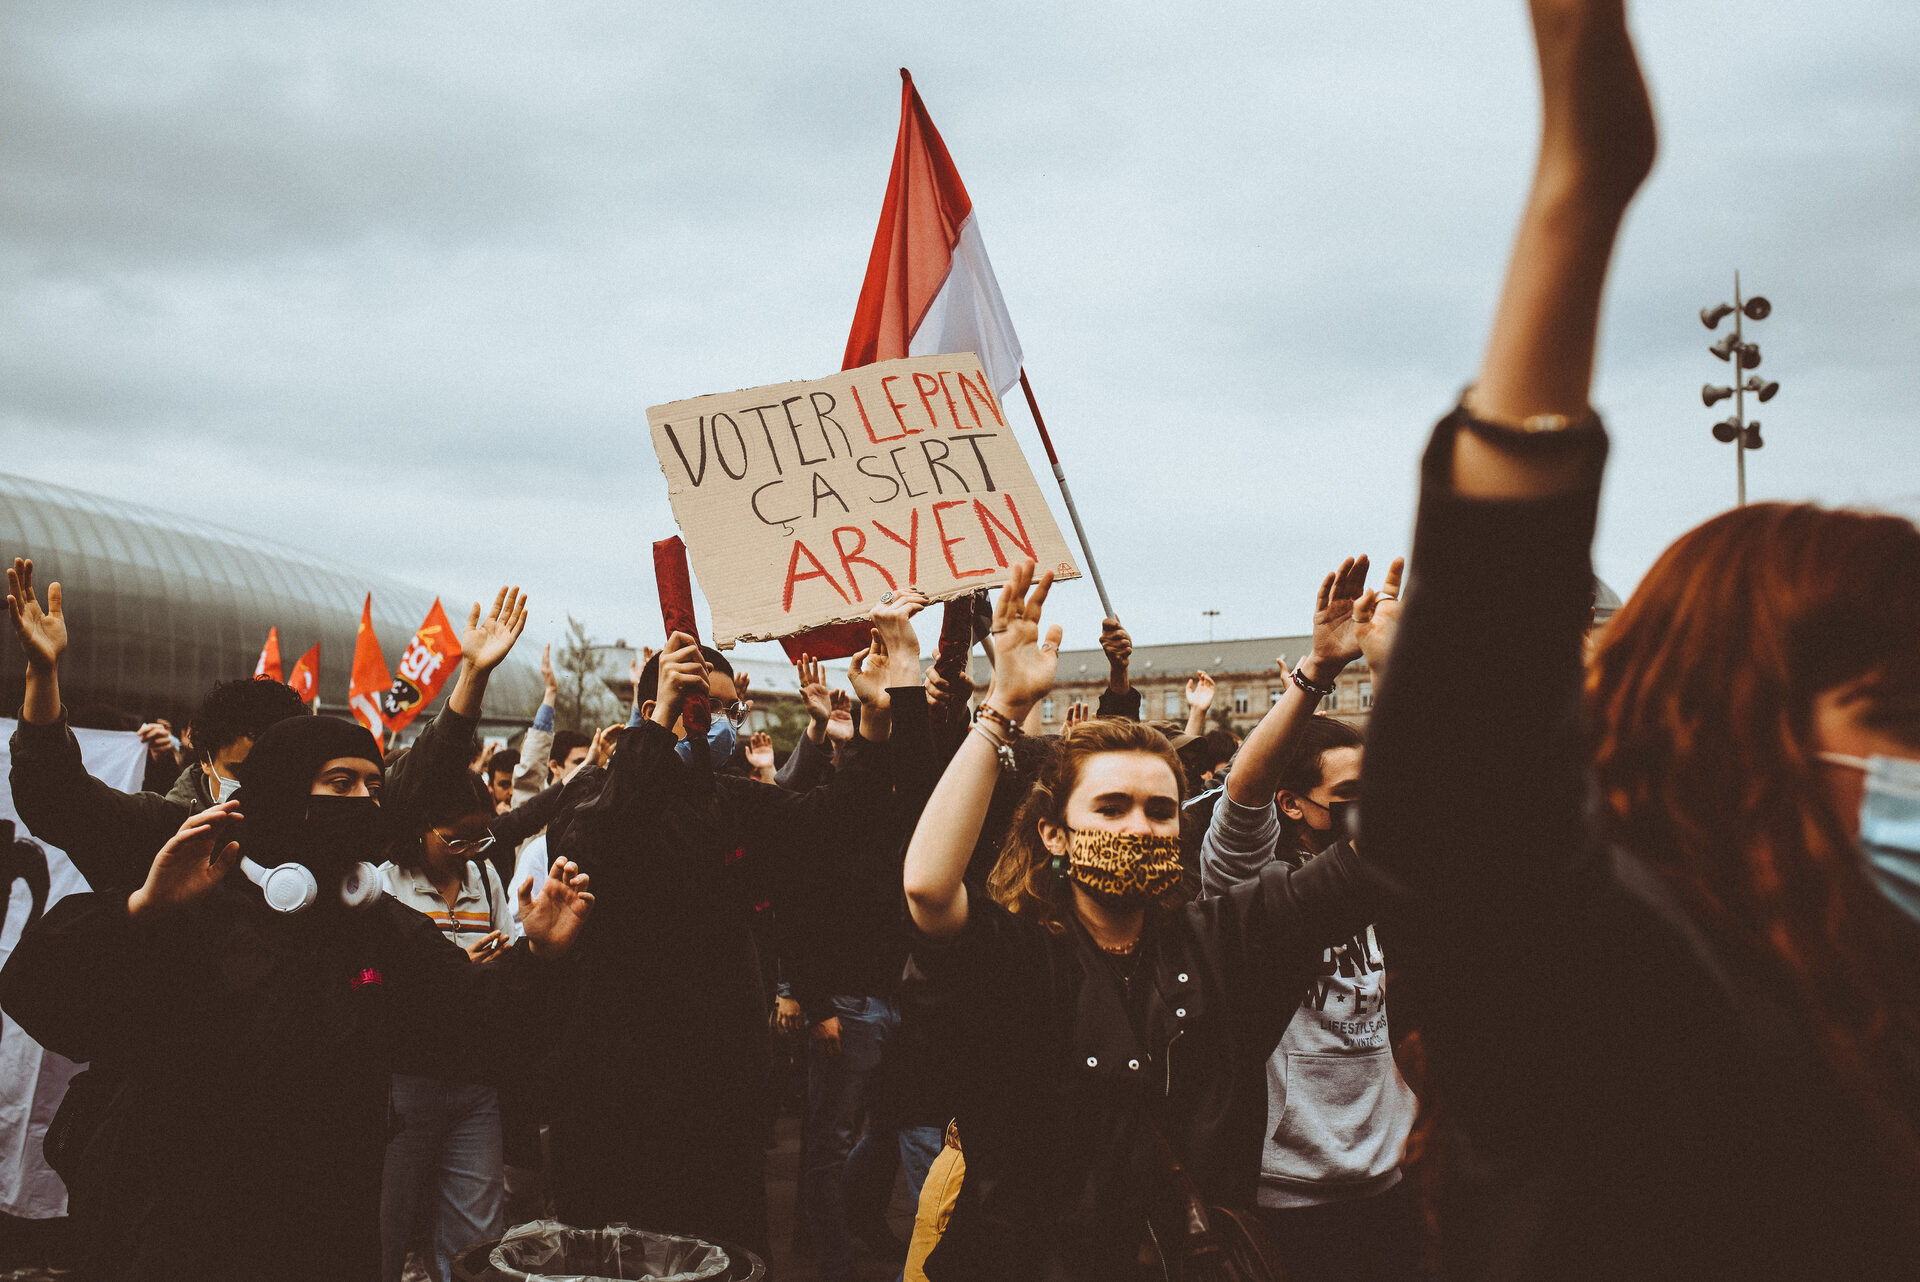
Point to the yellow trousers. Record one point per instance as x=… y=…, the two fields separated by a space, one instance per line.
x=937 y=1197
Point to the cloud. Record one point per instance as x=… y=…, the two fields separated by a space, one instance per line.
x=398 y=282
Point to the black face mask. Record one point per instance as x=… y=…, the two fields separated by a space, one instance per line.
x=338 y=833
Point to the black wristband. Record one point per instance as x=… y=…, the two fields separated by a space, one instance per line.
x=1317 y=691
x=1541 y=436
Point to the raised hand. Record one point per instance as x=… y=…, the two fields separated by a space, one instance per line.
x=1199 y=692
x=1077 y=712
x=867 y=674
x=553 y=921
x=760 y=752
x=813 y=689
x=1376 y=617
x=158 y=738
x=550 y=682
x=1118 y=645
x=42 y=633
x=193 y=862
x=1336 y=637
x=682 y=669
x=605 y=740
x=742 y=681
x=487 y=640
x=1024 y=664
x=893 y=620
x=840 y=716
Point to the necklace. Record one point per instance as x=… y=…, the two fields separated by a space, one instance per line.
x=1124 y=950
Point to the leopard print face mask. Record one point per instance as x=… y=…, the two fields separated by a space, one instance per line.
x=1126 y=869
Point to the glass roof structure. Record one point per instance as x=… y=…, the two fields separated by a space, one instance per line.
x=160 y=607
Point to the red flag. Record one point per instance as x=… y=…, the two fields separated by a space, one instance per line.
x=306 y=675
x=425 y=665
x=929 y=290
x=671 y=576
x=370 y=680
x=268 y=669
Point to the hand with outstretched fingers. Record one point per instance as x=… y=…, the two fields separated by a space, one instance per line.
x=605 y=740
x=489 y=638
x=1077 y=713
x=760 y=751
x=1376 y=617
x=840 y=716
x=193 y=862
x=682 y=669
x=553 y=921
x=1025 y=663
x=1336 y=637
x=1200 y=691
x=813 y=691
x=42 y=633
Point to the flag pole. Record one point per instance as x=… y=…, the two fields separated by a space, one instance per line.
x=1073 y=513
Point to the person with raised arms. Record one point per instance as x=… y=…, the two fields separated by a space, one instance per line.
x=1666 y=959
x=255 y=990
x=1095 y=1014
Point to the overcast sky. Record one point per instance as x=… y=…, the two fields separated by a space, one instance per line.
x=396 y=282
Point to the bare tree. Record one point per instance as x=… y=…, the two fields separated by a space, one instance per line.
x=585 y=703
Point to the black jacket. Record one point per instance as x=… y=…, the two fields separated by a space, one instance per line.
x=248 y=1121
x=667 y=1045
x=1057 y=1068
x=1623 y=1089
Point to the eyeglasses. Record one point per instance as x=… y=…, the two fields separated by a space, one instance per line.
x=464 y=845
x=736 y=711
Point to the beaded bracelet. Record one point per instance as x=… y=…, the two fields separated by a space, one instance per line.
x=1317 y=691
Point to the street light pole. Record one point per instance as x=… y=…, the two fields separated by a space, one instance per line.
x=1744 y=356
x=1211 y=616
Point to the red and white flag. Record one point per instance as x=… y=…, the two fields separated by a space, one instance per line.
x=370 y=677
x=929 y=287
x=929 y=290
x=305 y=678
x=268 y=669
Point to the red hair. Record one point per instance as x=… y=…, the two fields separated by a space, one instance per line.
x=1701 y=697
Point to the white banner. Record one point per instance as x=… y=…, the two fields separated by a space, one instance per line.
x=33 y=1080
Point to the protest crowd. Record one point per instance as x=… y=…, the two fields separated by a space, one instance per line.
x=1110 y=1005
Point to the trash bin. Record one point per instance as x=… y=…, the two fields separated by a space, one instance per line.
x=549 y=1251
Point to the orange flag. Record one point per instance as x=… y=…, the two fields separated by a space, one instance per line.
x=425 y=665
x=268 y=669
x=306 y=675
x=370 y=679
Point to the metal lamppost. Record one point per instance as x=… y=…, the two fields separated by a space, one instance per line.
x=1744 y=356
x=1211 y=616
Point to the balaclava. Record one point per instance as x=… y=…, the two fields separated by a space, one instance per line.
x=286 y=823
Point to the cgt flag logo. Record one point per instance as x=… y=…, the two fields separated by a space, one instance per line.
x=305 y=677
x=425 y=665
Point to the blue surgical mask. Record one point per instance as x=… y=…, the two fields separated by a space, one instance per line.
x=1890 y=825
x=720 y=739
x=225 y=787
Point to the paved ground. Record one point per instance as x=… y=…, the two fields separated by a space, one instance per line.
x=782 y=1203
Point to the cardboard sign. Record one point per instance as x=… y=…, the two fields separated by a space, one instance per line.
x=803 y=502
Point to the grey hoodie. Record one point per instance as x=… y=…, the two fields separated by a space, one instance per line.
x=1338 y=1111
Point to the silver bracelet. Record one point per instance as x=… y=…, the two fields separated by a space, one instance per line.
x=1002 y=750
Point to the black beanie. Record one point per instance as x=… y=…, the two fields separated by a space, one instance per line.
x=277 y=776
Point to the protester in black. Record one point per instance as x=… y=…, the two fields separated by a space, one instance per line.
x=1090 y=1006
x=245 y=1140
x=666 y=1050
x=1671 y=1019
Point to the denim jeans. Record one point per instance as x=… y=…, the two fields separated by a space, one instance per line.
x=839 y=1091
x=443 y=1168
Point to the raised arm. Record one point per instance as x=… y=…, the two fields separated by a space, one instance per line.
x=1470 y=781
x=944 y=838
x=43 y=639
x=1596 y=147
x=1119 y=699
x=484 y=645
x=1265 y=754
x=1199 y=700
